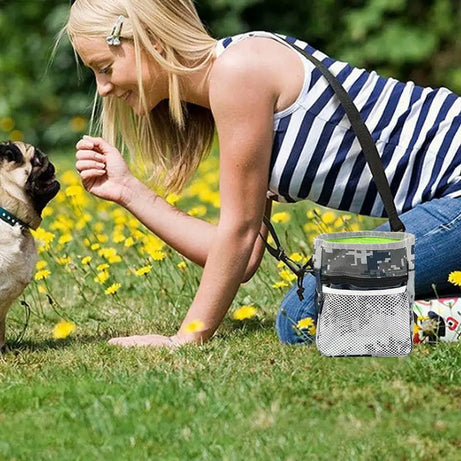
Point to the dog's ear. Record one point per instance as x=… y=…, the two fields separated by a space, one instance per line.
x=11 y=153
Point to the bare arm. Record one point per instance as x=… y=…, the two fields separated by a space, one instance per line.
x=242 y=101
x=105 y=174
x=188 y=235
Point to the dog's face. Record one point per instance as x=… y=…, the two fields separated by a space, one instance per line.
x=27 y=181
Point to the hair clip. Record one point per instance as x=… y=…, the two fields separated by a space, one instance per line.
x=114 y=38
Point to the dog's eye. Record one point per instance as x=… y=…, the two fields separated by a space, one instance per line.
x=36 y=161
x=11 y=154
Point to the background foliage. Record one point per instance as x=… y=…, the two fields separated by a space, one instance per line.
x=47 y=103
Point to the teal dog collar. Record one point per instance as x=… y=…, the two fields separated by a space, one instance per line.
x=11 y=219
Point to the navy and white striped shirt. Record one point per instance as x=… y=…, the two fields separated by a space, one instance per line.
x=317 y=156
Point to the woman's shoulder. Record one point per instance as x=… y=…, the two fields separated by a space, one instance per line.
x=251 y=52
x=243 y=69
x=244 y=58
x=251 y=62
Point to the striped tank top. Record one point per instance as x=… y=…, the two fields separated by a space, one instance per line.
x=316 y=155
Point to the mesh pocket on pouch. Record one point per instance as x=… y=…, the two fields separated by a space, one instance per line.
x=364 y=322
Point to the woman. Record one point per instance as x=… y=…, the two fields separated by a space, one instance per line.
x=166 y=85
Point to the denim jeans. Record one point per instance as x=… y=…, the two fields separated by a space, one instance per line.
x=436 y=226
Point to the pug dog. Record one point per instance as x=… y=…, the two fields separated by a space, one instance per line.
x=27 y=184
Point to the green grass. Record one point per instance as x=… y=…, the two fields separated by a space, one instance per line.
x=242 y=395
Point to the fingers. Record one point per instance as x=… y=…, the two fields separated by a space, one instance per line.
x=92 y=143
x=89 y=174
x=81 y=165
x=88 y=160
x=86 y=154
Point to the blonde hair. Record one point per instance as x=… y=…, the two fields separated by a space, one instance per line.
x=170 y=140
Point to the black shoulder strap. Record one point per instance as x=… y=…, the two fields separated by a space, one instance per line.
x=365 y=140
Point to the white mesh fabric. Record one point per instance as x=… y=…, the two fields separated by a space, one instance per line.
x=368 y=322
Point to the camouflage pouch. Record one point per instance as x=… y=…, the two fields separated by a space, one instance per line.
x=364 y=293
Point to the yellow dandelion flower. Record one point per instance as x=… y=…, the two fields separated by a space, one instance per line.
x=329 y=217
x=296 y=257
x=102 y=238
x=62 y=223
x=194 y=326
x=95 y=246
x=307 y=324
x=455 y=278
x=107 y=252
x=287 y=275
x=245 y=312
x=41 y=289
x=65 y=238
x=98 y=227
x=83 y=221
x=16 y=135
x=281 y=265
x=280 y=285
x=86 y=260
x=212 y=178
x=157 y=255
x=311 y=228
x=47 y=211
x=172 y=198
x=182 y=265
x=143 y=270
x=152 y=243
x=281 y=217
x=63 y=261
x=102 y=267
x=118 y=237
x=45 y=238
x=133 y=223
x=6 y=124
x=119 y=216
x=129 y=242
x=63 y=330
x=112 y=289
x=61 y=197
x=70 y=178
x=338 y=223
x=199 y=210
x=41 y=265
x=43 y=274
x=101 y=277
x=114 y=259
x=74 y=190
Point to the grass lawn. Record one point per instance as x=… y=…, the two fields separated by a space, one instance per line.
x=242 y=395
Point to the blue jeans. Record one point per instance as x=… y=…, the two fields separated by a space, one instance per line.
x=437 y=228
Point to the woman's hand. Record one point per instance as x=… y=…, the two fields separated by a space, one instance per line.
x=102 y=168
x=154 y=341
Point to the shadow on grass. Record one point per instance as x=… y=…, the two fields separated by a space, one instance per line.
x=55 y=344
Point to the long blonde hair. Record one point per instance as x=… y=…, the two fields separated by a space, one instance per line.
x=170 y=140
